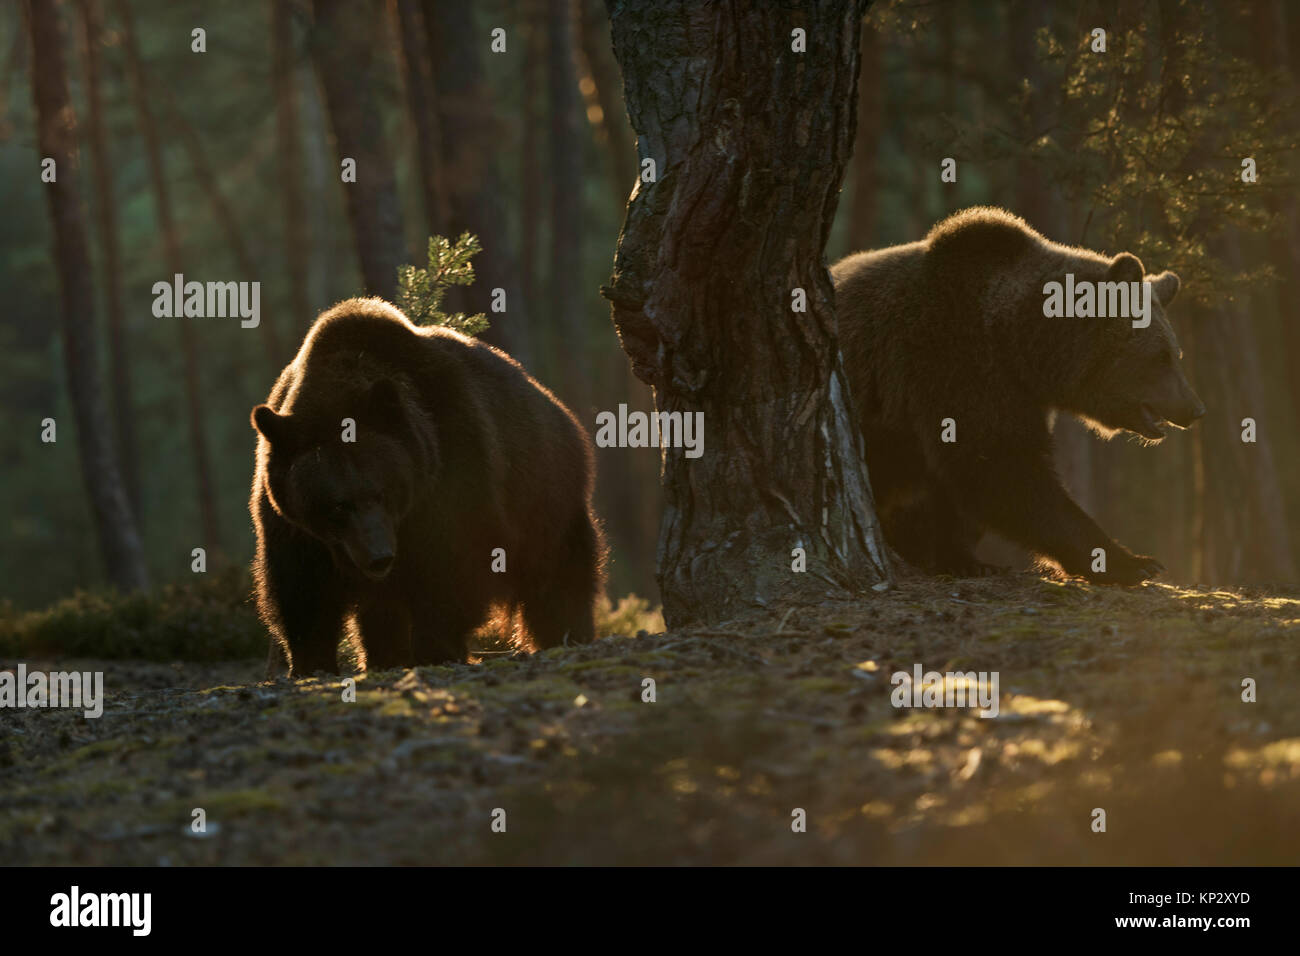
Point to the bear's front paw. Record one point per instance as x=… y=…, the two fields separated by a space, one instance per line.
x=1126 y=568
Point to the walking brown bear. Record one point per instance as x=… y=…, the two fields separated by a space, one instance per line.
x=455 y=452
x=954 y=327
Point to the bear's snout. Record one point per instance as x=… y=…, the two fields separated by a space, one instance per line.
x=1187 y=409
x=371 y=544
x=1185 y=418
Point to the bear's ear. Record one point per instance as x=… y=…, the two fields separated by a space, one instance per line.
x=1166 y=286
x=1126 y=267
x=274 y=427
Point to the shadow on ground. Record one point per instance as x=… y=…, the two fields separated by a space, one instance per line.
x=1125 y=700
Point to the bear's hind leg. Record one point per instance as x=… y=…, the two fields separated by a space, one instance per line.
x=955 y=537
x=561 y=608
x=928 y=531
x=442 y=620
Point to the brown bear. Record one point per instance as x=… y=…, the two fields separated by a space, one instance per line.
x=410 y=482
x=958 y=362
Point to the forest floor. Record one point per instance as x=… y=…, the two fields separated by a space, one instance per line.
x=1124 y=700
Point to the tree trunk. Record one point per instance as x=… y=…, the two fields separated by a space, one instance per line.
x=470 y=142
x=119 y=541
x=226 y=219
x=866 y=176
x=565 y=177
x=92 y=23
x=288 y=133
x=344 y=45
x=600 y=70
x=420 y=96
x=172 y=256
x=1246 y=529
x=530 y=211
x=1242 y=536
x=750 y=141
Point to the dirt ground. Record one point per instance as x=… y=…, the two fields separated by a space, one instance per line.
x=1125 y=700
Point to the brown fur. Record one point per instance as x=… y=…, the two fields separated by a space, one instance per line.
x=953 y=327
x=458 y=452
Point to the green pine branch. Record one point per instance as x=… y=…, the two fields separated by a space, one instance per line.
x=420 y=291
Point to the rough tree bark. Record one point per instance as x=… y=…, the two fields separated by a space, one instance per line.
x=471 y=139
x=344 y=46
x=172 y=259
x=288 y=135
x=119 y=541
x=750 y=141
x=92 y=25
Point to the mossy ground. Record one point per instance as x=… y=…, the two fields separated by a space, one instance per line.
x=1125 y=700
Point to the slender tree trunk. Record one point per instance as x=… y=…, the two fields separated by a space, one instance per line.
x=565 y=179
x=344 y=46
x=119 y=541
x=471 y=139
x=1248 y=536
x=229 y=223
x=288 y=136
x=750 y=141
x=419 y=101
x=173 y=261
x=92 y=22
x=1241 y=512
x=530 y=213
x=609 y=119
x=866 y=177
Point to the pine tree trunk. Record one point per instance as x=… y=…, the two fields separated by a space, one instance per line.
x=344 y=45
x=119 y=541
x=419 y=101
x=530 y=205
x=226 y=219
x=471 y=139
x=197 y=423
x=564 y=176
x=92 y=22
x=599 y=68
x=866 y=175
x=750 y=142
x=288 y=134
x=1248 y=537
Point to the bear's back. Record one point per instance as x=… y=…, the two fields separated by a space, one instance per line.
x=485 y=403
x=947 y=316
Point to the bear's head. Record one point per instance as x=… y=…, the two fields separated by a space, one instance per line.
x=1135 y=381
x=351 y=495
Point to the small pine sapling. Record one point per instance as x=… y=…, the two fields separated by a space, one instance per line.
x=420 y=291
